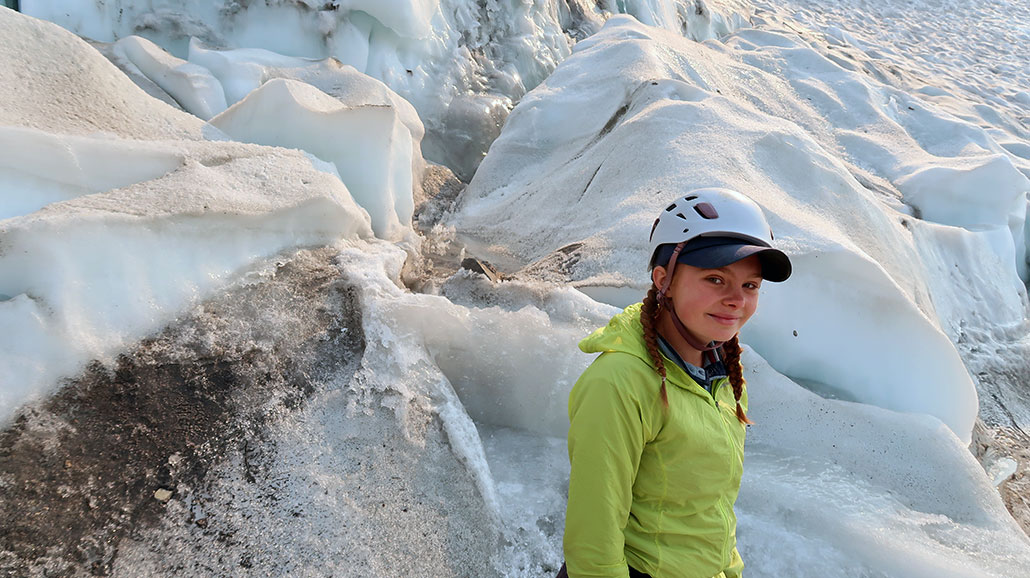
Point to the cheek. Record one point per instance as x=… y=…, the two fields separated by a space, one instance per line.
x=750 y=306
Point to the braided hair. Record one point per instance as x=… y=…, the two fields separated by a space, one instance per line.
x=730 y=349
x=731 y=357
x=648 y=318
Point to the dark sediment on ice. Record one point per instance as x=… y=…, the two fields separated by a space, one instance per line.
x=1003 y=427
x=171 y=460
x=100 y=459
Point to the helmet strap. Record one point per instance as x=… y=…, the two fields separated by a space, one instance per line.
x=670 y=267
x=685 y=333
x=666 y=303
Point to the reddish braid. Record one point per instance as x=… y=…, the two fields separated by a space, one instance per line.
x=648 y=318
x=731 y=357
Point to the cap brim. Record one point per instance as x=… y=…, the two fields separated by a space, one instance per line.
x=776 y=265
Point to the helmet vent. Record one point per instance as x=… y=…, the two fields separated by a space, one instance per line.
x=653 y=227
x=706 y=210
x=690 y=198
x=680 y=215
x=686 y=230
x=670 y=207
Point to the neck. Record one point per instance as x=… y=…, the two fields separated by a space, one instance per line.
x=686 y=351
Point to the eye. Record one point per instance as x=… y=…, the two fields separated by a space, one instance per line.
x=714 y=279
x=751 y=285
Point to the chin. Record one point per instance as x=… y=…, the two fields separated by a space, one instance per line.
x=723 y=335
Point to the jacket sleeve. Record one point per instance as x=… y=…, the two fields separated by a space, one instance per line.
x=606 y=438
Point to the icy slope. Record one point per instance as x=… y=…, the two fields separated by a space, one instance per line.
x=683 y=115
x=35 y=88
x=962 y=56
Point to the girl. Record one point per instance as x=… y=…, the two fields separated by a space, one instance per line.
x=656 y=440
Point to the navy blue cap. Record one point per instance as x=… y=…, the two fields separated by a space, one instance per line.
x=715 y=252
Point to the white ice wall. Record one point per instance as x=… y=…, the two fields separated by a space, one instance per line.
x=578 y=165
x=369 y=145
x=461 y=63
x=192 y=86
x=82 y=279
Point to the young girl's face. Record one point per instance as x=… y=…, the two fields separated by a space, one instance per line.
x=715 y=303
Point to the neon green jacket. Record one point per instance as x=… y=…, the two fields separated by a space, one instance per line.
x=650 y=487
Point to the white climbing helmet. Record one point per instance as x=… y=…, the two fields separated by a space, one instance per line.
x=719 y=227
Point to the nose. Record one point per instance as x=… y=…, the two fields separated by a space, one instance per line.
x=734 y=297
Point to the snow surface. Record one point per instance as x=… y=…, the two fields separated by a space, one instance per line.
x=905 y=216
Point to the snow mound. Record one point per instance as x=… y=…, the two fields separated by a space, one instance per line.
x=682 y=115
x=381 y=171
x=68 y=87
x=864 y=489
x=192 y=86
x=983 y=195
x=245 y=69
x=83 y=278
x=380 y=168
x=820 y=333
x=242 y=70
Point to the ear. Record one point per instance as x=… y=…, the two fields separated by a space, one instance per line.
x=658 y=276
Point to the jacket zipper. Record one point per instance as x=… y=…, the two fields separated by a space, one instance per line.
x=729 y=438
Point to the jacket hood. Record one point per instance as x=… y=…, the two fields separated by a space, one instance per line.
x=623 y=333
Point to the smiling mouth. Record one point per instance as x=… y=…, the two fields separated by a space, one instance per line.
x=723 y=319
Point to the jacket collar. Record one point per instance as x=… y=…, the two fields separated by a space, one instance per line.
x=704 y=376
x=626 y=334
